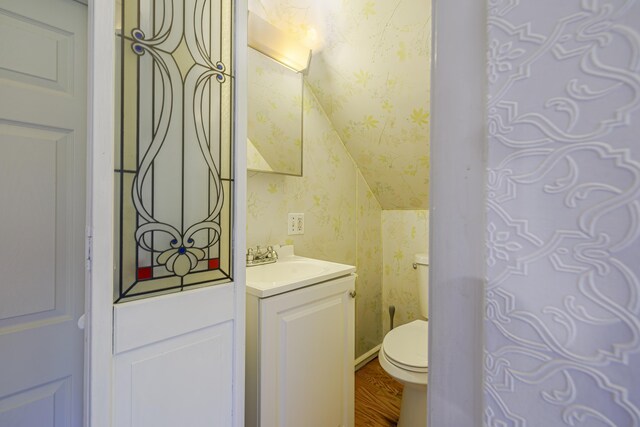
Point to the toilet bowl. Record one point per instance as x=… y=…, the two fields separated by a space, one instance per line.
x=404 y=355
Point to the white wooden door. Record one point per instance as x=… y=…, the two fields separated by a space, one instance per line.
x=42 y=211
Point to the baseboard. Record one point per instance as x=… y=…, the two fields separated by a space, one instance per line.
x=367 y=357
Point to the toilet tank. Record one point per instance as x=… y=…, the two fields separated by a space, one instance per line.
x=422 y=270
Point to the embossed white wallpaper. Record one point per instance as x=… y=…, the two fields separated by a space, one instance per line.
x=563 y=297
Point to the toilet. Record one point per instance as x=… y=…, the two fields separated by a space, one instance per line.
x=403 y=355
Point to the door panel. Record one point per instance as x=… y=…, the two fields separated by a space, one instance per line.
x=29 y=218
x=49 y=63
x=174 y=359
x=42 y=211
x=43 y=406
x=35 y=205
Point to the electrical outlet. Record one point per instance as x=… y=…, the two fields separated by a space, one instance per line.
x=300 y=223
x=295 y=223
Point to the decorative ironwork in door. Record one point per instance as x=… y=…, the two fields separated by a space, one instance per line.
x=174 y=173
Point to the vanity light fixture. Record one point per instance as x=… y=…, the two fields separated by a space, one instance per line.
x=276 y=44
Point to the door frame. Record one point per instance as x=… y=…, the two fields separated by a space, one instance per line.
x=456 y=220
x=100 y=208
x=457 y=213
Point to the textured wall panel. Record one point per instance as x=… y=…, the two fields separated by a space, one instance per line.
x=562 y=301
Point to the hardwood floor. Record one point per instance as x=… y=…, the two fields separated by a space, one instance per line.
x=378 y=397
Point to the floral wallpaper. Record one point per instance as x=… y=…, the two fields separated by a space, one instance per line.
x=404 y=234
x=342 y=216
x=370 y=71
x=370 y=282
x=562 y=320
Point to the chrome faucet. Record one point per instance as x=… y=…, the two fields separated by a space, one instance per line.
x=259 y=255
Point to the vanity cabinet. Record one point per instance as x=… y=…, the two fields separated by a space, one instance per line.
x=300 y=353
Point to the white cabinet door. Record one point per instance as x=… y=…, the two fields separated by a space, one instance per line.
x=306 y=365
x=42 y=211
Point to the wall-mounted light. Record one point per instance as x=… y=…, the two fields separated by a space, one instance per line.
x=276 y=44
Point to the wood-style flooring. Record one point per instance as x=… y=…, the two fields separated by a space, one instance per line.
x=378 y=397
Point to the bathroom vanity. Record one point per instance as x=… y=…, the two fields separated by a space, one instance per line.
x=300 y=343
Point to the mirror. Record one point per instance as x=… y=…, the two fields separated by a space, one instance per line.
x=274 y=132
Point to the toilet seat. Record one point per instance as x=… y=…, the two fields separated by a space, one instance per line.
x=407 y=346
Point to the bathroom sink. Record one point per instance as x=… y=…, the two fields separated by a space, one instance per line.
x=291 y=272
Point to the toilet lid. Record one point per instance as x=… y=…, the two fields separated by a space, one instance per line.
x=406 y=346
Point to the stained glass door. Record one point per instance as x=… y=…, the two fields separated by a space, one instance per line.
x=179 y=307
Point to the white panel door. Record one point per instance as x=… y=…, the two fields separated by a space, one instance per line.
x=42 y=211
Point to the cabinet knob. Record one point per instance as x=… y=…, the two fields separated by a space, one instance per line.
x=352 y=294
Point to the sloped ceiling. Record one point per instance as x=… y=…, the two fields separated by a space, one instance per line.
x=370 y=72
